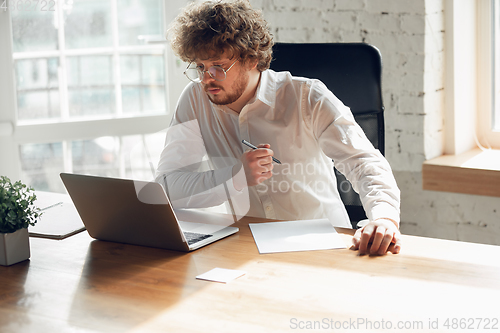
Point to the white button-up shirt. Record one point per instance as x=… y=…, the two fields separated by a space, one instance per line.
x=306 y=126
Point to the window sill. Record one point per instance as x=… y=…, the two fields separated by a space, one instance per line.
x=473 y=172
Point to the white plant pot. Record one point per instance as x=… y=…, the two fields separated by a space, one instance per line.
x=14 y=247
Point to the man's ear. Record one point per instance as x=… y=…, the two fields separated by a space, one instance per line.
x=251 y=64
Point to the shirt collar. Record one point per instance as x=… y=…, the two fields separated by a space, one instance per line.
x=266 y=91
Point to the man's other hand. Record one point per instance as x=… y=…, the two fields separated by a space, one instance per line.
x=377 y=237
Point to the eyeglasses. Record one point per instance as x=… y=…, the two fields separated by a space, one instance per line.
x=196 y=73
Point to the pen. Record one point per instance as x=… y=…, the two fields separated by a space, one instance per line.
x=56 y=204
x=245 y=142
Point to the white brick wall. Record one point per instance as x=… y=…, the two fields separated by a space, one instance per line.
x=399 y=29
x=410 y=36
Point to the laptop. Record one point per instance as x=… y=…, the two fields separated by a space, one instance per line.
x=136 y=212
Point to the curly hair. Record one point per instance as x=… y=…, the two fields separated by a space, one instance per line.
x=207 y=30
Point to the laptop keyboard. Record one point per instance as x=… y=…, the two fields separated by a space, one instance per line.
x=193 y=237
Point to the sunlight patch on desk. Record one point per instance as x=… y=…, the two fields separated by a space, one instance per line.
x=451 y=250
x=283 y=293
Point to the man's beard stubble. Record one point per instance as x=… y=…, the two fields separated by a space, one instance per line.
x=238 y=88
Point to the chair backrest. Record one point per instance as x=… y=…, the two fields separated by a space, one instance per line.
x=352 y=71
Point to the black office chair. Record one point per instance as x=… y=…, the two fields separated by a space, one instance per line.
x=352 y=71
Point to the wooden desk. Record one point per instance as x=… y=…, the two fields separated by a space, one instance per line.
x=82 y=285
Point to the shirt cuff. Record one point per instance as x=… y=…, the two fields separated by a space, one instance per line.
x=384 y=211
x=225 y=175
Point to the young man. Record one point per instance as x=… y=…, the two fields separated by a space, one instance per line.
x=234 y=96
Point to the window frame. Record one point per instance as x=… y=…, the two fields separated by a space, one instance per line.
x=486 y=135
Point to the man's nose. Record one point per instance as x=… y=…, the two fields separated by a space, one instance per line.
x=206 y=78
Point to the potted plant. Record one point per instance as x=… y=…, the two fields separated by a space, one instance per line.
x=17 y=212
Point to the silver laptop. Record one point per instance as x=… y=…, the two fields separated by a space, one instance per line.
x=136 y=212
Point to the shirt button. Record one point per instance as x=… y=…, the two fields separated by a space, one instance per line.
x=268 y=208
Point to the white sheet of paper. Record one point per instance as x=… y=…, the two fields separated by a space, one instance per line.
x=221 y=275
x=289 y=236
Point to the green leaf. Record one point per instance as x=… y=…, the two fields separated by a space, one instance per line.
x=17 y=209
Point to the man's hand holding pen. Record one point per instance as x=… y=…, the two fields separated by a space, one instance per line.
x=257 y=164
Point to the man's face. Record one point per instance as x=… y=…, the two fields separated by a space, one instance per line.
x=230 y=90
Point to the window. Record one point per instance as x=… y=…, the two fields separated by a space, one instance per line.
x=470 y=80
x=472 y=89
x=84 y=60
x=86 y=88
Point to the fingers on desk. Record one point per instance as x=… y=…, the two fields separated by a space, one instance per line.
x=376 y=240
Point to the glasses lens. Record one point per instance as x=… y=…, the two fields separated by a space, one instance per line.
x=193 y=74
x=217 y=73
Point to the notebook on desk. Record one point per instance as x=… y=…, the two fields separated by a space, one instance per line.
x=136 y=212
x=57 y=222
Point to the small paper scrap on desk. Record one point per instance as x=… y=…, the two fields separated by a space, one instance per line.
x=290 y=236
x=221 y=275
